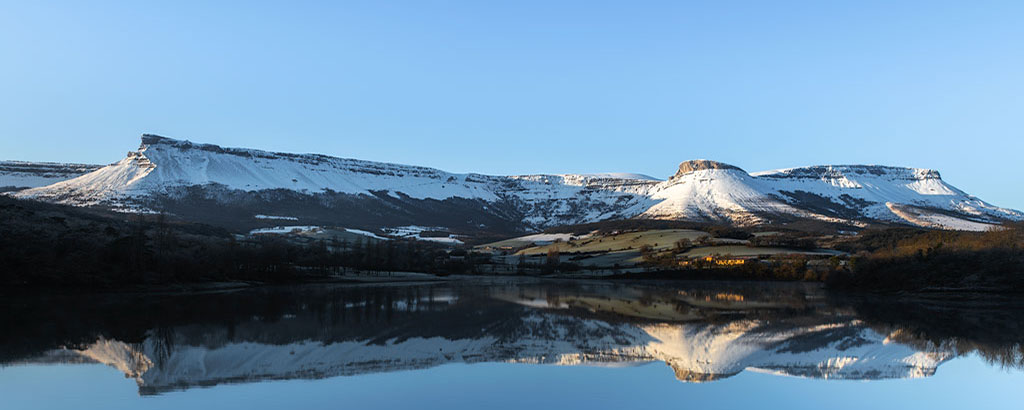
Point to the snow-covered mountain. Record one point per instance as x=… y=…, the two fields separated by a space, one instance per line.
x=193 y=180
x=17 y=175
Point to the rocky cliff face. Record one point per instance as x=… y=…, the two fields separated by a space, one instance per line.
x=192 y=179
x=687 y=167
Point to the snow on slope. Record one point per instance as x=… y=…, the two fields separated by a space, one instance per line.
x=621 y=175
x=367 y=234
x=702 y=190
x=545 y=238
x=162 y=162
x=872 y=187
x=161 y=165
x=275 y=217
x=725 y=194
x=551 y=200
x=931 y=219
x=416 y=232
x=23 y=174
x=284 y=229
x=848 y=194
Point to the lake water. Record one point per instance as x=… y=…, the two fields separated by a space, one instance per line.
x=511 y=344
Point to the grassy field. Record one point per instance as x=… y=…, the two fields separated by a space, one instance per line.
x=623 y=250
x=621 y=258
x=736 y=250
x=661 y=239
x=529 y=240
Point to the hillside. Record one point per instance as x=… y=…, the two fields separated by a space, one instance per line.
x=231 y=186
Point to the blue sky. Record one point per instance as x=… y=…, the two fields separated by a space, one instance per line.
x=525 y=87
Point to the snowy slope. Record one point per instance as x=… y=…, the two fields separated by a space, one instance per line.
x=702 y=190
x=872 y=190
x=23 y=174
x=726 y=194
x=621 y=175
x=162 y=165
x=163 y=162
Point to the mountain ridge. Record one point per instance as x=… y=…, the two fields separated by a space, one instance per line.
x=167 y=174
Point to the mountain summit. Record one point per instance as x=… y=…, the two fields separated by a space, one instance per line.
x=693 y=165
x=230 y=186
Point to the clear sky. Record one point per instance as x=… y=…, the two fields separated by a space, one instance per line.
x=526 y=87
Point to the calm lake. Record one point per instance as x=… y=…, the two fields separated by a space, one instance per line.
x=511 y=344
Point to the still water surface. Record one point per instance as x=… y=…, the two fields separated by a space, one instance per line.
x=511 y=345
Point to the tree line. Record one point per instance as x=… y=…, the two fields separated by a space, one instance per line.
x=51 y=245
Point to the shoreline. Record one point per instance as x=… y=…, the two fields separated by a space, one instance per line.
x=416 y=279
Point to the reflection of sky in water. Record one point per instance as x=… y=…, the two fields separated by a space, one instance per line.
x=959 y=384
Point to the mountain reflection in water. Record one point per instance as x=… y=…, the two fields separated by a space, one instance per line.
x=704 y=332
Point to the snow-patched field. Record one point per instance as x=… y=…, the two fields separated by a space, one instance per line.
x=931 y=219
x=959 y=224
x=404 y=232
x=285 y=229
x=276 y=217
x=416 y=232
x=533 y=240
x=659 y=239
x=365 y=233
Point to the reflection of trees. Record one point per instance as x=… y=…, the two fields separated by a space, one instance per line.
x=1005 y=354
x=162 y=339
x=991 y=326
x=33 y=324
x=994 y=328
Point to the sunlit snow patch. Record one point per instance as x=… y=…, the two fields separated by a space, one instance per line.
x=284 y=229
x=365 y=233
x=416 y=232
x=276 y=217
x=931 y=219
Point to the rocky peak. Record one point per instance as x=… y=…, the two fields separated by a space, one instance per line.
x=153 y=139
x=694 y=165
